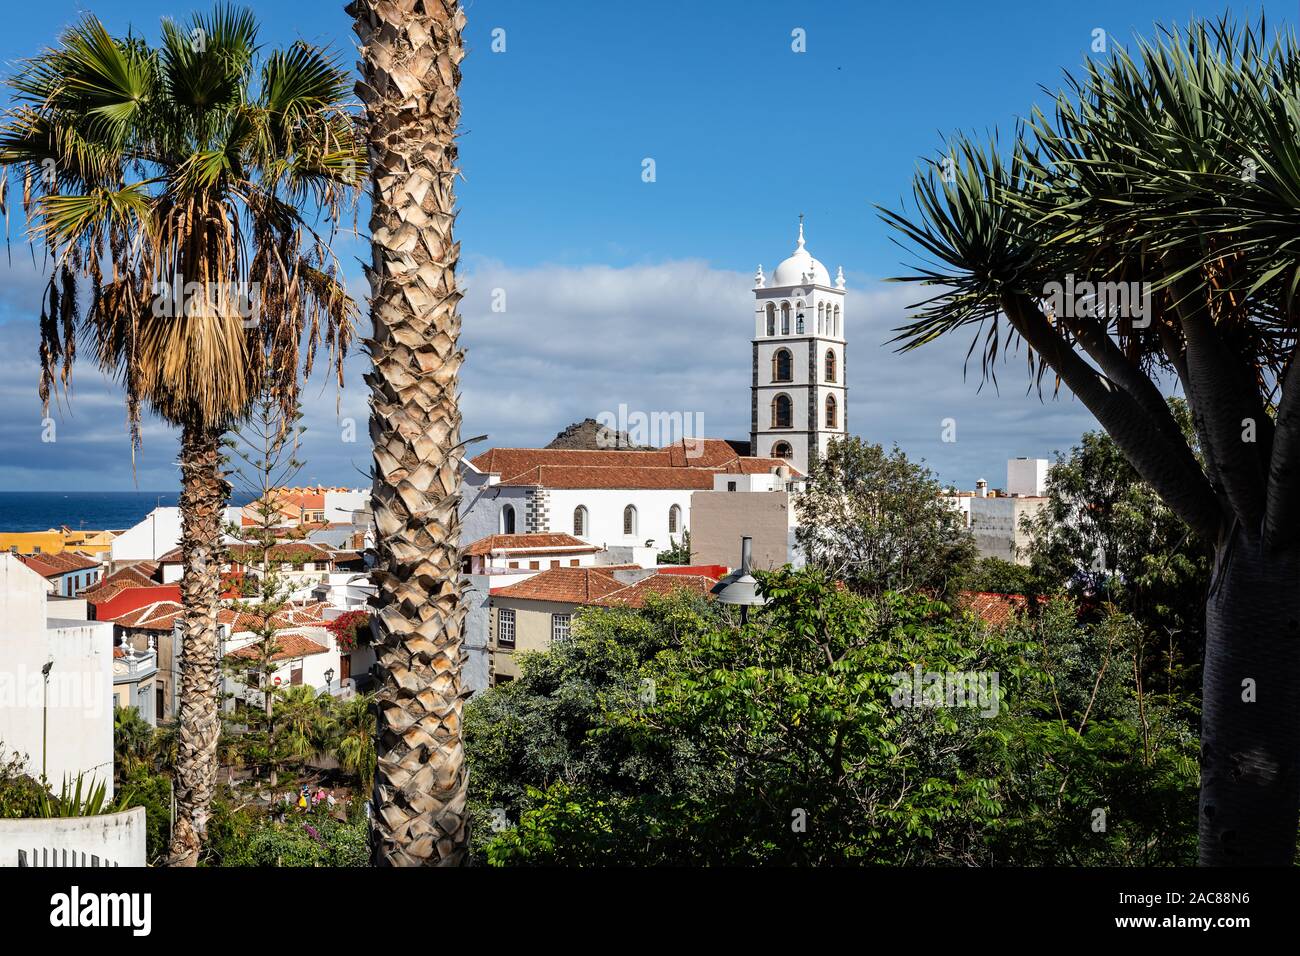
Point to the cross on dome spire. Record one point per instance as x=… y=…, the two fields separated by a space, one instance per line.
x=800 y=246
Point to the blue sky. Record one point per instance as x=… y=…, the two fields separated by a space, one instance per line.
x=626 y=292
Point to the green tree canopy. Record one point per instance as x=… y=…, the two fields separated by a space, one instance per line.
x=874 y=519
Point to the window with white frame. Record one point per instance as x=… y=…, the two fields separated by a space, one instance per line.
x=559 y=627
x=506 y=627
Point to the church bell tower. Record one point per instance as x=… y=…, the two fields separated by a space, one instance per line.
x=799 y=394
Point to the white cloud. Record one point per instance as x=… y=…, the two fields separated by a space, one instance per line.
x=572 y=342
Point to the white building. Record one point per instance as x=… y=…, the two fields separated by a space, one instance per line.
x=151 y=538
x=346 y=505
x=1027 y=477
x=305 y=654
x=996 y=520
x=615 y=499
x=799 y=397
x=60 y=719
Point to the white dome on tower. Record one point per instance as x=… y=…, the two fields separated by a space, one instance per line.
x=801 y=268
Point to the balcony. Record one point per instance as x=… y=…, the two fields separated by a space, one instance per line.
x=131 y=666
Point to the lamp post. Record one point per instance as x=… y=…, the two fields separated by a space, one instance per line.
x=740 y=587
x=329 y=680
x=45 y=712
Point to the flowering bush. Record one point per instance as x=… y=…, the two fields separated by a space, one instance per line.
x=351 y=629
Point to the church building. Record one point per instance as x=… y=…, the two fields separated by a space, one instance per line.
x=799 y=395
x=641 y=498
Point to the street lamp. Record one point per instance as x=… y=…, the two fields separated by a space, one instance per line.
x=740 y=587
x=329 y=680
x=45 y=713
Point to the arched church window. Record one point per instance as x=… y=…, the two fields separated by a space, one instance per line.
x=629 y=519
x=830 y=365
x=508 y=519
x=579 y=521
x=785 y=318
x=832 y=412
x=836 y=325
x=771 y=319
x=674 y=519
x=782 y=412
x=782 y=365
x=782 y=450
x=821 y=318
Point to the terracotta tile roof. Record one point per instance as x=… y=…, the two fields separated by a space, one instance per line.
x=281 y=551
x=518 y=543
x=572 y=476
x=565 y=585
x=139 y=575
x=714 y=571
x=124 y=600
x=291 y=615
x=634 y=595
x=287 y=647
x=53 y=565
x=687 y=464
x=159 y=616
x=995 y=610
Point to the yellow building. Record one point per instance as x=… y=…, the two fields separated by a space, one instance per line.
x=56 y=541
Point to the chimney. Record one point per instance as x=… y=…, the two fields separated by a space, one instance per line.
x=981 y=489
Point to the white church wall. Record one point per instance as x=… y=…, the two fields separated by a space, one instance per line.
x=481 y=506
x=605 y=514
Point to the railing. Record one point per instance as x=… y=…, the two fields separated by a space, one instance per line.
x=45 y=857
x=135 y=664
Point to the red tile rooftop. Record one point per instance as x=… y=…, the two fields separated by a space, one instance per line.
x=519 y=543
x=688 y=464
x=563 y=585
x=53 y=565
x=287 y=647
x=634 y=595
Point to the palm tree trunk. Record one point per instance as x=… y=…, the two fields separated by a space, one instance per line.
x=1250 y=724
x=411 y=51
x=203 y=498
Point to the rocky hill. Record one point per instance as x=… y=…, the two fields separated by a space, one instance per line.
x=590 y=435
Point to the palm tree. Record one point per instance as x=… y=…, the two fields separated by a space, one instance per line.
x=411 y=55
x=171 y=181
x=133 y=742
x=302 y=722
x=352 y=733
x=1172 y=176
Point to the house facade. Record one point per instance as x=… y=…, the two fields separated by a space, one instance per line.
x=57 y=682
x=534 y=614
x=67 y=571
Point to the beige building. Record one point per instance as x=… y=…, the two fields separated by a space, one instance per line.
x=533 y=614
x=758 y=506
x=995 y=518
x=996 y=524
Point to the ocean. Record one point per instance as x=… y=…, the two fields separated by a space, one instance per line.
x=93 y=510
